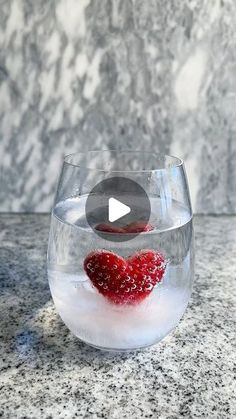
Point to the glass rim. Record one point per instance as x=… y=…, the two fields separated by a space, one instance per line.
x=176 y=161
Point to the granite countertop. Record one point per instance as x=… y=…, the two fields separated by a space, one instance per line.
x=48 y=373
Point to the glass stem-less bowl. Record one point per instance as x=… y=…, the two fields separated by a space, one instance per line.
x=115 y=294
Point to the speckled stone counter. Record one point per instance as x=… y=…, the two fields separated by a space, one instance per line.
x=47 y=373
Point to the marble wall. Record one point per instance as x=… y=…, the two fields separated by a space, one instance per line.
x=80 y=74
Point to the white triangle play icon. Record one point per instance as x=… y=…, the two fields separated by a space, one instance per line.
x=117 y=210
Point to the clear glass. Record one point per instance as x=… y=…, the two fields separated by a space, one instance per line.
x=87 y=313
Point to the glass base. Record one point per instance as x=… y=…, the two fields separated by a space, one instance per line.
x=119 y=350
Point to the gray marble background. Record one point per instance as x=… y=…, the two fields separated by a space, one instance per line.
x=156 y=74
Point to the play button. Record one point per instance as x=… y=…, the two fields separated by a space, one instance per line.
x=113 y=205
x=117 y=210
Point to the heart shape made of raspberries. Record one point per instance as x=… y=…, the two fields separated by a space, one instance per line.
x=125 y=281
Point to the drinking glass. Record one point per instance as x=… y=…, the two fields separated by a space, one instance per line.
x=87 y=271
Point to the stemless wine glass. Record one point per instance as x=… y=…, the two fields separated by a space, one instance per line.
x=122 y=295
